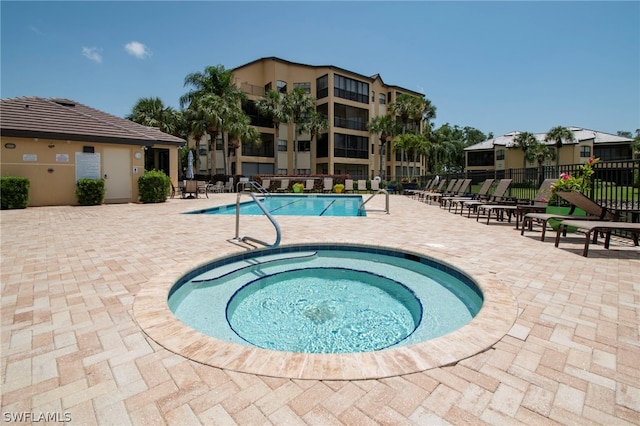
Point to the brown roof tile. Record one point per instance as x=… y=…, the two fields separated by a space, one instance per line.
x=55 y=118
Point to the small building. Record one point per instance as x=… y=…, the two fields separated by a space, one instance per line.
x=54 y=142
x=501 y=153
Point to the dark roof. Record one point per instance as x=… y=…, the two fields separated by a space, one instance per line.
x=64 y=119
x=362 y=76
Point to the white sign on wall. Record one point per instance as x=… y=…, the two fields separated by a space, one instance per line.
x=87 y=165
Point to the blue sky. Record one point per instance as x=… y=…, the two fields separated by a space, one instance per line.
x=496 y=66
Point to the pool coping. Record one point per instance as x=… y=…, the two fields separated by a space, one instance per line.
x=495 y=319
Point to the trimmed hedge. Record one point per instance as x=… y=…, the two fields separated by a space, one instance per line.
x=154 y=187
x=14 y=192
x=90 y=192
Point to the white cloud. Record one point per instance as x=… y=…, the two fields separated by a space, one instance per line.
x=35 y=29
x=92 y=53
x=137 y=49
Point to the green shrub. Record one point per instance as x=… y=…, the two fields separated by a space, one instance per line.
x=90 y=192
x=154 y=186
x=14 y=192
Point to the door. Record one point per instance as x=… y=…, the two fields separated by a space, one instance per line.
x=117 y=175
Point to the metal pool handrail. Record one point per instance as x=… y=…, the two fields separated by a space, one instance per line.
x=261 y=189
x=384 y=191
x=264 y=210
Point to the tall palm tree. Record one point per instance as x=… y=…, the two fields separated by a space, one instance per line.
x=409 y=109
x=527 y=142
x=298 y=105
x=152 y=112
x=387 y=127
x=559 y=135
x=272 y=106
x=316 y=123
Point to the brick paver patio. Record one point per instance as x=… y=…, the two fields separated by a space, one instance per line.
x=73 y=350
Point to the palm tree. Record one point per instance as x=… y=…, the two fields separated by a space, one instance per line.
x=316 y=123
x=386 y=127
x=527 y=142
x=409 y=109
x=559 y=135
x=298 y=105
x=272 y=105
x=152 y=112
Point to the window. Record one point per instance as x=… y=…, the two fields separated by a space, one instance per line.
x=480 y=158
x=304 y=86
x=264 y=149
x=202 y=150
x=282 y=145
x=323 y=110
x=383 y=99
x=350 y=146
x=349 y=117
x=322 y=87
x=389 y=97
x=219 y=144
x=373 y=96
x=267 y=87
x=348 y=88
x=322 y=145
x=282 y=86
x=304 y=146
x=500 y=154
x=585 y=151
x=256 y=119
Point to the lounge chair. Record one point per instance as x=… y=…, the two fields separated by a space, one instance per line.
x=284 y=185
x=218 y=187
x=266 y=184
x=362 y=185
x=593 y=211
x=375 y=185
x=461 y=190
x=228 y=186
x=327 y=185
x=593 y=227
x=348 y=185
x=422 y=195
x=433 y=196
x=496 y=196
x=309 y=185
x=482 y=194
x=415 y=192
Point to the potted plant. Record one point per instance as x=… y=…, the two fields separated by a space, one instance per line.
x=298 y=187
x=338 y=188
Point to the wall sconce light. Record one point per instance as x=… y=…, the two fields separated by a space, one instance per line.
x=51 y=145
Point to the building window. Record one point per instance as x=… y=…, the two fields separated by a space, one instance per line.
x=219 y=144
x=304 y=146
x=585 y=151
x=322 y=145
x=389 y=97
x=373 y=96
x=348 y=88
x=349 y=117
x=282 y=86
x=322 y=87
x=480 y=158
x=282 y=145
x=264 y=149
x=202 y=150
x=283 y=171
x=267 y=87
x=383 y=99
x=350 y=146
x=256 y=119
x=304 y=86
x=500 y=154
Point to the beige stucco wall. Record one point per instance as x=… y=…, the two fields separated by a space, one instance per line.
x=50 y=165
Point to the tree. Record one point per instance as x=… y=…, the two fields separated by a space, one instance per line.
x=152 y=112
x=526 y=141
x=559 y=135
x=387 y=127
x=315 y=124
x=409 y=109
x=298 y=105
x=272 y=106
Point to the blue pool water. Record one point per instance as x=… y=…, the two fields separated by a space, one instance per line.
x=297 y=205
x=325 y=299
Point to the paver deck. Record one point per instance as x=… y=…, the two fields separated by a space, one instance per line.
x=72 y=348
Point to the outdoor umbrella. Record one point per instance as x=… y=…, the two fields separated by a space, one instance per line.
x=189 y=174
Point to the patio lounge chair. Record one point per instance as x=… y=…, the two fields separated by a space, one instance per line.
x=462 y=188
x=593 y=211
x=309 y=185
x=327 y=185
x=284 y=185
x=496 y=196
x=518 y=207
x=375 y=185
x=266 y=183
x=362 y=185
x=593 y=227
x=433 y=196
x=481 y=195
x=422 y=195
x=415 y=192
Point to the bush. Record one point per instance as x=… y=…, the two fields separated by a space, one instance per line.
x=154 y=186
x=90 y=192
x=14 y=192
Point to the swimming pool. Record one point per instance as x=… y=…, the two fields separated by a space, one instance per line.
x=296 y=205
x=326 y=300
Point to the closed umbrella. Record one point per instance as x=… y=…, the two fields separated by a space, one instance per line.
x=189 y=174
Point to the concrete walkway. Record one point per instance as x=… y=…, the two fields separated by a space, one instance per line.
x=73 y=350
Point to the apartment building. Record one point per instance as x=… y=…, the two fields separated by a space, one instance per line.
x=347 y=100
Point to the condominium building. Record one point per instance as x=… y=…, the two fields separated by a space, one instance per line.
x=346 y=99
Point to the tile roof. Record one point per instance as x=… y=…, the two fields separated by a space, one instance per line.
x=64 y=119
x=579 y=134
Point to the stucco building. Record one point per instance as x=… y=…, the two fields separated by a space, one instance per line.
x=54 y=142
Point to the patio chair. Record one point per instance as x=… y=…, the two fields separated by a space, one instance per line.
x=592 y=210
x=594 y=227
x=519 y=206
x=218 y=187
x=435 y=187
x=433 y=196
x=327 y=185
x=203 y=187
x=362 y=185
x=266 y=184
x=415 y=192
x=461 y=190
x=190 y=189
x=228 y=186
x=375 y=185
x=284 y=185
x=309 y=185
x=482 y=194
x=348 y=185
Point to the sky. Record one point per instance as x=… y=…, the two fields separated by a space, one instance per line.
x=496 y=66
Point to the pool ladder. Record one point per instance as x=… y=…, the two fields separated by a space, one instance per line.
x=261 y=206
x=386 y=204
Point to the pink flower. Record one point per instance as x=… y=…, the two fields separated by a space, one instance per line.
x=590 y=160
x=544 y=200
x=564 y=176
